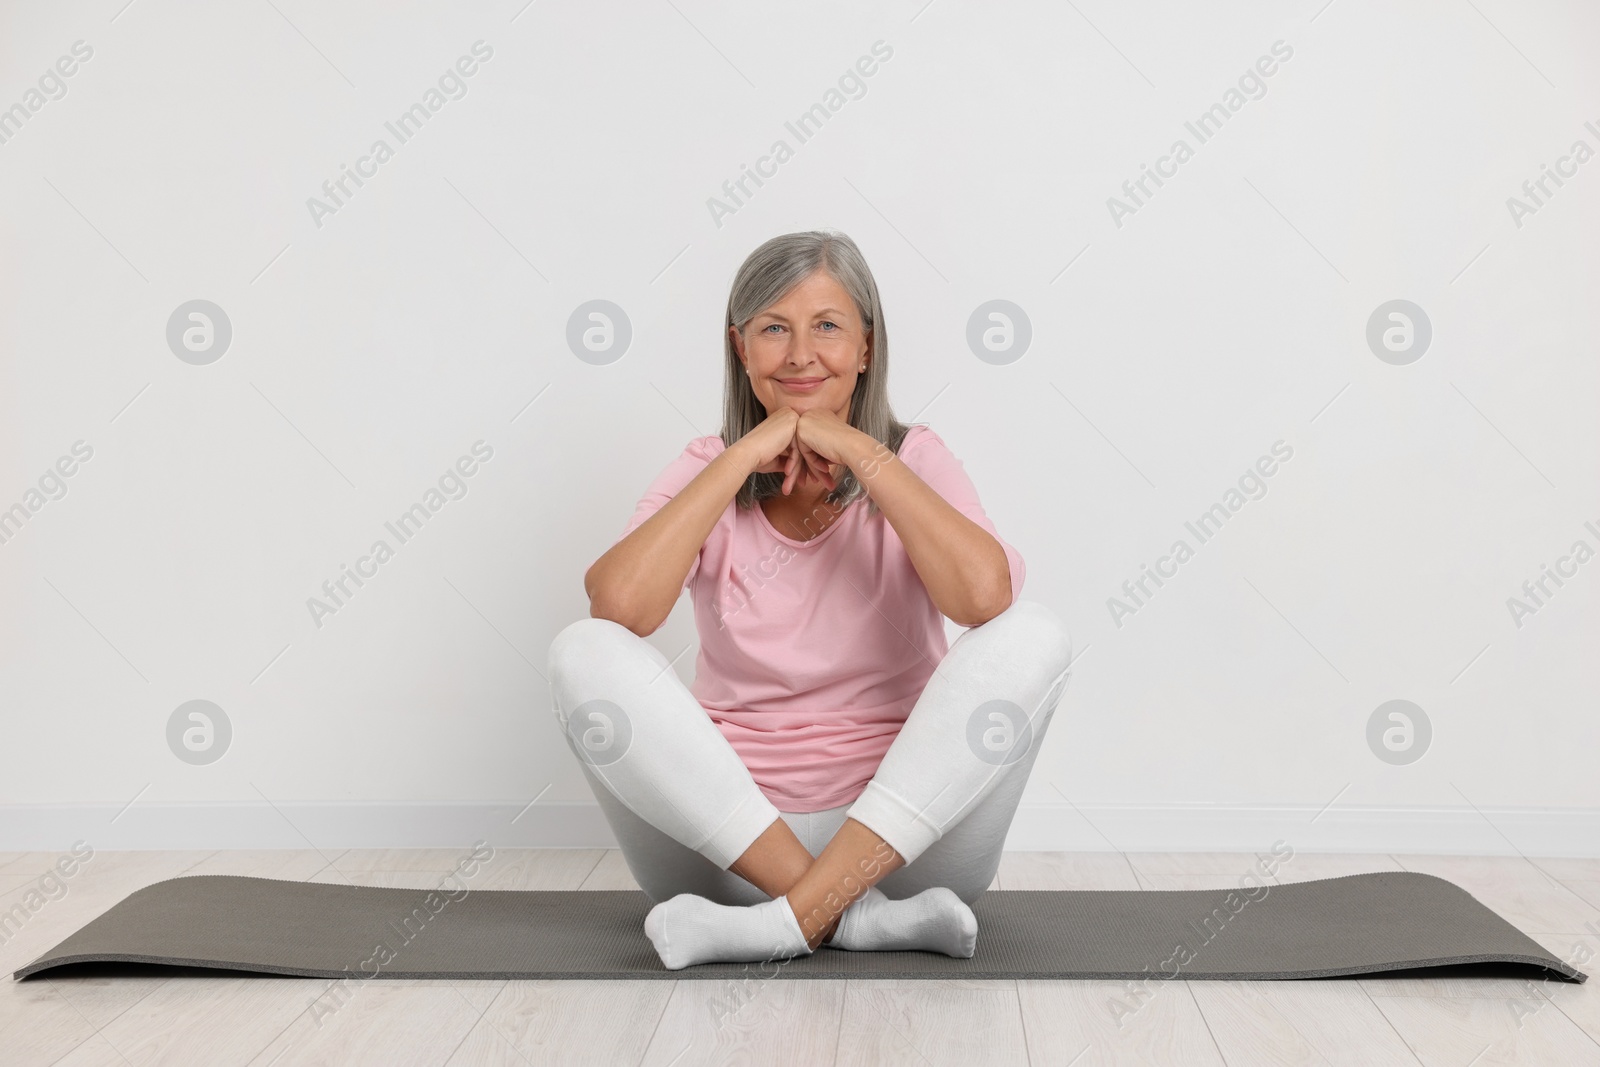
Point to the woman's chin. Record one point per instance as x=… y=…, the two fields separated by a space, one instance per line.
x=804 y=403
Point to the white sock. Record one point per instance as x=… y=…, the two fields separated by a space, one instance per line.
x=690 y=929
x=935 y=920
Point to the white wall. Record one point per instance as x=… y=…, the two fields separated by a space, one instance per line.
x=1171 y=347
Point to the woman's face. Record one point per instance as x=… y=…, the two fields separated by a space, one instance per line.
x=805 y=351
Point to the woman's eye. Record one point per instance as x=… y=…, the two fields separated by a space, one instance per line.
x=826 y=323
x=772 y=326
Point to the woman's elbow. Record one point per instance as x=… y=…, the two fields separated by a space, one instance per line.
x=623 y=614
x=988 y=603
x=610 y=598
x=603 y=604
x=603 y=607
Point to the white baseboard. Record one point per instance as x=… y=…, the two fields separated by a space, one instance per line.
x=1038 y=827
x=1457 y=830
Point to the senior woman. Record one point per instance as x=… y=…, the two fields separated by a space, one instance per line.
x=837 y=773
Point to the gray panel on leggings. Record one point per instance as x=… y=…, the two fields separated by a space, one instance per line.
x=1358 y=924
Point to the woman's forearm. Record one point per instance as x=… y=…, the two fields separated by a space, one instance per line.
x=639 y=579
x=963 y=567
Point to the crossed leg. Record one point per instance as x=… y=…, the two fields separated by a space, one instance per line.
x=691 y=820
x=818 y=889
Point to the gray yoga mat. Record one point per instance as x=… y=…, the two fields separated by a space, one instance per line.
x=1358 y=924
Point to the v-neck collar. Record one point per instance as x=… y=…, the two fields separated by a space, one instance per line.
x=773 y=530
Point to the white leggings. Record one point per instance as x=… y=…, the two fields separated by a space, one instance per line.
x=684 y=807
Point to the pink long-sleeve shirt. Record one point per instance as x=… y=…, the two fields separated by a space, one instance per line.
x=813 y=653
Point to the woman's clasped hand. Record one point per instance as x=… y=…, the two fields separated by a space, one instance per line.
x=805 y=446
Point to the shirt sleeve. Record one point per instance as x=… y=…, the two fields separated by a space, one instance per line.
x=931 y=460
x=696 y=456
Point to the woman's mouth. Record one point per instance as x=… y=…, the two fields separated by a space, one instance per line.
x=800 y=385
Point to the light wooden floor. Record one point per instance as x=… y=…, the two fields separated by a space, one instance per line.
x=1452 y=1022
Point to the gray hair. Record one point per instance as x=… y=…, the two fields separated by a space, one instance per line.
x=766 y=275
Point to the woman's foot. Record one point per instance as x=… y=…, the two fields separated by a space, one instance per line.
x=690 y=929
x=935 y=920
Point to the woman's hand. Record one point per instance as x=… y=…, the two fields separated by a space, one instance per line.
x=824 y=438
x=770 y=448
x=776 y=445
